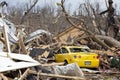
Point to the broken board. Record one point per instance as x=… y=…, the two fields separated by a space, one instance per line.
x=15 y=61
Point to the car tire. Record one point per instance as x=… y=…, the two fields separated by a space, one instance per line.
x=65 y=62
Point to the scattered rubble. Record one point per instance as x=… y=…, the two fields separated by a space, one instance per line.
x=31 y=56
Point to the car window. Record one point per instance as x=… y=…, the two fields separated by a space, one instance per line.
x=86 y=50
x=62 y=51
x=59 y=51
x=79 y=50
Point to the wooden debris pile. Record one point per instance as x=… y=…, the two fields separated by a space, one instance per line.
x=31 y=56
x=23 y=57
x=38 y=46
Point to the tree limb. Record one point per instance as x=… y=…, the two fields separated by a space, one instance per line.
x=87 y=31
x=109 y=40
x=25 y=14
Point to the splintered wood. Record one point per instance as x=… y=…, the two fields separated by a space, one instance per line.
x=31 y=56
x=22 y=46
x=3 y=77
x=24 y=74
x=58 y=76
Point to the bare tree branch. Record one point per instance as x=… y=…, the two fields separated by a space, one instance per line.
x=93 y=36
x=25 y=14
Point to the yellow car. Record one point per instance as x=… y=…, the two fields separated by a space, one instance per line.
x=79 y=54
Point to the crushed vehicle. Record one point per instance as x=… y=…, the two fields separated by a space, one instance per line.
x=79 y=54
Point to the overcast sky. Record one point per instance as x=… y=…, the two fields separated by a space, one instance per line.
x=72 y=3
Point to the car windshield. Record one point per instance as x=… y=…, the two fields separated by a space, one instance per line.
x=73 y=50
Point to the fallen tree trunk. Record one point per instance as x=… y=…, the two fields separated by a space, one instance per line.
x=109 y=41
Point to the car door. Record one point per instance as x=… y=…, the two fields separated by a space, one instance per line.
x=61 y=54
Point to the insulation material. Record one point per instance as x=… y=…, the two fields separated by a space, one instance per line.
x=69 y=70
